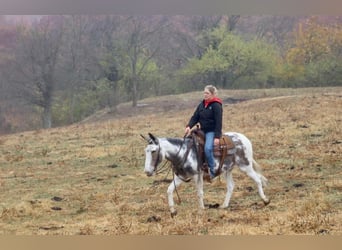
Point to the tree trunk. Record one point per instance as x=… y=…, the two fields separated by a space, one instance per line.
x=134 y=92
x=47 y=117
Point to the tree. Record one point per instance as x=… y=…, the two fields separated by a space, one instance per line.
x=275 y=29
x=34 y=64
x=8 y=37
x=316 y=50
x=229 y=59
x=198 y=28
x=310 y=44
x=110 y=59
x=140 y=45
x=232 y=22
x=79 y=66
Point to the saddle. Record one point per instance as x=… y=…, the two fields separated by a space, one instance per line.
x=225 y=147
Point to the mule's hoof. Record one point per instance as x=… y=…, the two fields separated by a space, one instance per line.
x=216 y=205
x=266 y=202
x=173 y=213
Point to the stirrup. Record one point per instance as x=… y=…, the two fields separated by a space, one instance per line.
x=206 y=177
x=205 y=167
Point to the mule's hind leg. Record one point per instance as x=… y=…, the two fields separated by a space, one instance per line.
x=230 y=188
x=258 y=178
x=174 y=184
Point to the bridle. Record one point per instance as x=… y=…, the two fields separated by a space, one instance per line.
x=175 y=165
x=157 y=160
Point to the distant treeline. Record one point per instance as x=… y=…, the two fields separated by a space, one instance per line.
x=57 y=70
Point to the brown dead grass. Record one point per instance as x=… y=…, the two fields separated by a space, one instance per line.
x=88 y=178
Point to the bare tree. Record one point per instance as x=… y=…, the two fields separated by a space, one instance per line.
x=106 y=29
x=142 y=45
x=78 y=57
x=232 y=22
x=275 y=28
x=34 y=64
x=200 y=23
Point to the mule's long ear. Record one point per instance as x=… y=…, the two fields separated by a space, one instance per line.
x=153 y=138
x=144 y=137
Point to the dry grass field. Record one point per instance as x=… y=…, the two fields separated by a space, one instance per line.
x=87 y=179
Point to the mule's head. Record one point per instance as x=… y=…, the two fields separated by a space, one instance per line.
x=153 y=155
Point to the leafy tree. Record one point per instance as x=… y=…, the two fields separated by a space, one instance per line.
x=317 y=52
x=195 y=38
x=311 y=44
x=230 y=61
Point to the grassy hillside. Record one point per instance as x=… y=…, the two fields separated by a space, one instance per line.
x=88 y=178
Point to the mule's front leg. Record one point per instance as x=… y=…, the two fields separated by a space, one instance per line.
x=174 y=184
x=199 y=185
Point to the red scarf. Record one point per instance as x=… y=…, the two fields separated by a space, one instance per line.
x=214 y=99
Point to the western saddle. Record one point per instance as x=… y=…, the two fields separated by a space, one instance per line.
x=225 y=147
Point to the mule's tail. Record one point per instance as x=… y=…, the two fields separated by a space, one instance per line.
x=257 y=168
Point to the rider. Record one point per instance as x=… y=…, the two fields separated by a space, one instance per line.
x=209 y=115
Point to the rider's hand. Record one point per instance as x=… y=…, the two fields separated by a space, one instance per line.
x=216 y=141
x=187 y=130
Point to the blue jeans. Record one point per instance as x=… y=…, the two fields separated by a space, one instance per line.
x=209 y=151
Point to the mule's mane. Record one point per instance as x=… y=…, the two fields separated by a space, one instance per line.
x=176 y=141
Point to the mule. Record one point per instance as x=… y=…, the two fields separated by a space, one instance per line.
x=183 y=155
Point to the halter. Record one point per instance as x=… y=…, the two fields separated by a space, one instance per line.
x=157 y=160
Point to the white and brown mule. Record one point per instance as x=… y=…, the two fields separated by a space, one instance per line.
x=184 y=155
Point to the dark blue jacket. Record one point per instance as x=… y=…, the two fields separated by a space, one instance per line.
x=210 y=118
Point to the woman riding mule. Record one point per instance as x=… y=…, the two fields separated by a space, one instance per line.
x=209 y=115
x=182 y=154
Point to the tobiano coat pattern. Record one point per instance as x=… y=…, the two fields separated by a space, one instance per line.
x=185 y=165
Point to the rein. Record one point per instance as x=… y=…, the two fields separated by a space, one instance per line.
x=162 y=169
x=174 y=167
x=182 y=162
